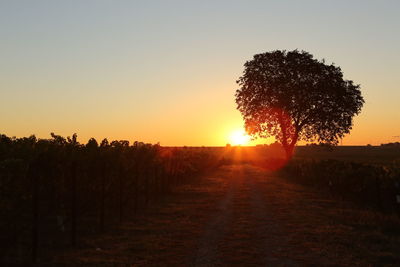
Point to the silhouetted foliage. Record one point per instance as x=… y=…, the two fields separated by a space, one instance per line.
x=292 y=96
x=370 y=185
x=395 y=144
x=54 y=190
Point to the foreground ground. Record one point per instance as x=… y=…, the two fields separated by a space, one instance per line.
x=245 y=216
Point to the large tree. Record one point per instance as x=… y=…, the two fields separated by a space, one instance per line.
x=292 y=96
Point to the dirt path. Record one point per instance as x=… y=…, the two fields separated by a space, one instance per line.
x=244 y=216
x=207 y=251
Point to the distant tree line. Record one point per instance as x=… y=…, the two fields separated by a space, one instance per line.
x=54 y=190
x=394 y=144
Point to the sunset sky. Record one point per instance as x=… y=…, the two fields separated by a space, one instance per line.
x=165 y=71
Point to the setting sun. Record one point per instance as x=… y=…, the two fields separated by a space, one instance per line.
x=239 y=137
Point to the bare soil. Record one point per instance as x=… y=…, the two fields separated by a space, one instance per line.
x=242 y=215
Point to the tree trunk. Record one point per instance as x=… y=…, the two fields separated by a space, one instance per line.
x=289 y=149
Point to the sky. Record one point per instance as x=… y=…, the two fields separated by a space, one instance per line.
x=166 y=71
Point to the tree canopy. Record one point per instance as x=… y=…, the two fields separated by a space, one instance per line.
x=293 y=96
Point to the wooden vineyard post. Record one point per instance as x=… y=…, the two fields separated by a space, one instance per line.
x=73 y=203
x=35 y=215
x=158 y=181
x=147 y=189
x=378 y=192
x=102 y=200
x=136 y=192
x=121 y=176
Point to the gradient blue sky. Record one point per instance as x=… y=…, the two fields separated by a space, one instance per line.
x=165 y=71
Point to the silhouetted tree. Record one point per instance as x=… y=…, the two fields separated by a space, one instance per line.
x=292 y=96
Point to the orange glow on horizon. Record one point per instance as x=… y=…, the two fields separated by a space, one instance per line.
x=239 y=137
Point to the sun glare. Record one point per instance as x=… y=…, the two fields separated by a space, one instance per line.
x=239 y=137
